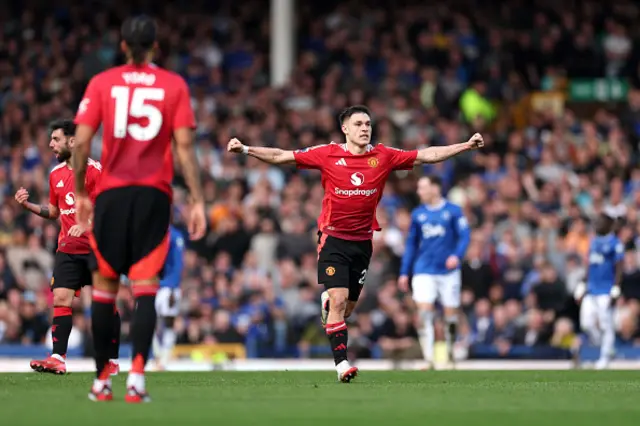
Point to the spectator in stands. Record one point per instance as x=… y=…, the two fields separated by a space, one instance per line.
x=398 y=338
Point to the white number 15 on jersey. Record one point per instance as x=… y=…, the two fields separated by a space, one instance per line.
x=139 y=109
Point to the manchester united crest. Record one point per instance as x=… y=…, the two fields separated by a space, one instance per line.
x=373 y=162
x=330 y=270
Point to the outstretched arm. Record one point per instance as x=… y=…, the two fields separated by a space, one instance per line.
x=268 y=155
x=436 y=154
x=47 y=211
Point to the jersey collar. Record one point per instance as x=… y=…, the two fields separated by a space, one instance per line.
x=344 y=147
x=437 y=207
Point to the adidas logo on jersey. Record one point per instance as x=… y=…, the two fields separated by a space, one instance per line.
x=341 y=162
x=60 y=184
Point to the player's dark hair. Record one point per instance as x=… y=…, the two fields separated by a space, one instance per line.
x=435 y=180
x=605 y=224
x=139 y=33
x=68 y=127
x=349 y=111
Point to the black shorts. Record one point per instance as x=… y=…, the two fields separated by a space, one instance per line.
x=131 y=232
x=343 y=263
x=72 y=271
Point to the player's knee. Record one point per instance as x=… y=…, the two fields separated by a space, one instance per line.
x=63 y=297
x=103 y=283
x=427 y=316
x=587 y=326
x=451 y=318
x=337 y=302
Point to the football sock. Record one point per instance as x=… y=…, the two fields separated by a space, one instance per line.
x=114 y=348
x=102 y=326
x=608 y=336
x=427 y=334
x=142 y=330
x=61 y=329
x=168 y=342
x=451 y=333
x=338 y=338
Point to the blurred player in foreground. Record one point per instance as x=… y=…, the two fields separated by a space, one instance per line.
x=354 y=174
x=141 y=108
x=168 y=299
x=74 y=261
x=437 y=243
x=601 y=289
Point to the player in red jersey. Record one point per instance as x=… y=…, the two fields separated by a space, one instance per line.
x=74 y=260
x=141 y=108
x=353 y=176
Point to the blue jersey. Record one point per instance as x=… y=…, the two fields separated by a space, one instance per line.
x=174 y=264
x=435 y=234
x=605 y=251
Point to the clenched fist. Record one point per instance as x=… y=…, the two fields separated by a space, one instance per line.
x=22 y=196
x=236 y=146
x=476 y=141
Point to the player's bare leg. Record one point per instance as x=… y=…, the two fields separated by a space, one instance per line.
x=451 y=331
x=324 y=301
x=351 y=306
x=104 y=295
x=426 y=315
x=144 y=324
x=337 y=332
x=60 y=331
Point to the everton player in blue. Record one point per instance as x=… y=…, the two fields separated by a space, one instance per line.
x=437 y=243
x=601 y=289
x=168 y=298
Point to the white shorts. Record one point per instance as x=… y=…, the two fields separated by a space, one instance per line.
x=596 y=311
x=162 y=302
x=446 y=288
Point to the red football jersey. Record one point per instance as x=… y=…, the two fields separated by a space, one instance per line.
x=139 y=108
x=353 y=185
x=62 y=195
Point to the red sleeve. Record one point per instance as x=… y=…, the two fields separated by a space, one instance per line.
x=399 y=159
x=94 y=172
x=90 y=108
x=53 y=198
x=184 y=116
x=312 y=157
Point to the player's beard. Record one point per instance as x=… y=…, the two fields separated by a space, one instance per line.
x=63 y=155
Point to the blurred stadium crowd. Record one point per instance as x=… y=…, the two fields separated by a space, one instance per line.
x=431 y=74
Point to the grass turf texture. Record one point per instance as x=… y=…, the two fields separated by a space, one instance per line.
x=542 y=398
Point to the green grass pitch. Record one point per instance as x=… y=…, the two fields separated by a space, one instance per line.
x=541 y=398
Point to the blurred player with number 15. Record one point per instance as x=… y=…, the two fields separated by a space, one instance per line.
x=141 y=108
